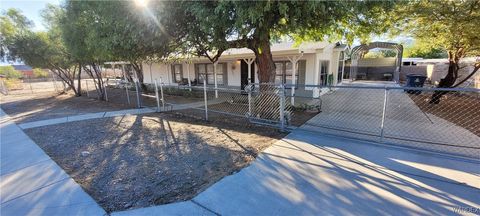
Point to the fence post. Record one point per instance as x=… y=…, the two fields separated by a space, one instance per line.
x=382 y=126
x=30 y=82
x=86 y=85
x=54 y=82
x=205 y=98
x=282 y=107
x=161 y=94
x=156 y=96
x=105 y=89
x=128 y=95
x=249 y=89
x=138 y=93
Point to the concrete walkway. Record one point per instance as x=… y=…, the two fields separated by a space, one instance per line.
x=97 y=115
x=310 y=174
x=33 y=184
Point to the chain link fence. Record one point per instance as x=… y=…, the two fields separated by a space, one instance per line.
x=433 y=119
x=28 y=86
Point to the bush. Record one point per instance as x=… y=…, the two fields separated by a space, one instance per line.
x=40 y=73
x=13 y=84
x=10 y=72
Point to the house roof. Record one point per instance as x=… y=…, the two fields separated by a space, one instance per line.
x=282 y=48
x=22 y=67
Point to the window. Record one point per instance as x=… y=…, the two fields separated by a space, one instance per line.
x=177 y=71
x=323 y=71
x=205 y=72
x=284 y=73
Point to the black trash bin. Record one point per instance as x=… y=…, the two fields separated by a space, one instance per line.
x=415 y=80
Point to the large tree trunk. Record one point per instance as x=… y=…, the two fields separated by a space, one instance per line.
x=137 y=67
x=449 y=80
x=97 y=77
x=261 y=47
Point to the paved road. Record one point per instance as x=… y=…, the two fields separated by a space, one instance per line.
x=33 y=184
x=312 y=174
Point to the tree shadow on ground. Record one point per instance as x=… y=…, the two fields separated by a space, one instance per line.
x=138 y=161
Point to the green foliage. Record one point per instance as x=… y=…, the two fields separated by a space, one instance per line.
x=12 y=23
x=39 y=73
x=452 y=26
x=13 y=84
x=10 y=72
x=424 y=50
x=382 y=53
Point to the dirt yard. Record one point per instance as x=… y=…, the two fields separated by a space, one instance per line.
x=28 y=108
x=460 y=109
x=138 y=161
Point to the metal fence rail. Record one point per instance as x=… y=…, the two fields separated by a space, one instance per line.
x=395 y=115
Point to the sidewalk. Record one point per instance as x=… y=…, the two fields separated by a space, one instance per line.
x=32 y=184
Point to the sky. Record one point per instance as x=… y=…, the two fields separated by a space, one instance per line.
x=30 y=8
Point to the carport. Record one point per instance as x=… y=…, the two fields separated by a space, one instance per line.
x=376 y=69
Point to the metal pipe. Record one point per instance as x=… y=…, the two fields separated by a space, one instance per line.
x=161 y=93
x=126 y=87
x=105 y=89
x=215 y=78
x=205 y=98
x=86 y=85
x=156 y=96
x=382 y=126
x=282 y=107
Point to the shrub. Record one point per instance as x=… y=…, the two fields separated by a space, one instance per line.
x=40 y=73
x=10 y=72
x=13 y=84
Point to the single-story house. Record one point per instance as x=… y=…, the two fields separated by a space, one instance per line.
x=315 y=62
x=26 y=70
x=436 y=69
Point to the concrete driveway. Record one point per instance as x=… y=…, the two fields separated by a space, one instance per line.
x=357 y=113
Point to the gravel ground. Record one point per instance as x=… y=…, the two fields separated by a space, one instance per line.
x=460 y=109
x=28 y=108
x=138 y=161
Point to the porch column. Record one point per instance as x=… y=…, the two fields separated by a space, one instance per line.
x=215 y=77
x=294 y=61
x=249 y=63
x=168 y=72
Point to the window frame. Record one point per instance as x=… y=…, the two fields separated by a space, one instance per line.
x=207 y=74
x=174 y=72
x=284 y=72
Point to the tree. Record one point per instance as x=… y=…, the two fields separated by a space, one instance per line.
x=40 y=73
x=424 y=50
x=9 y=72
x=39 y=49
x=13 y=22
x=449 y=25
x=211 y=27
x=105 y=31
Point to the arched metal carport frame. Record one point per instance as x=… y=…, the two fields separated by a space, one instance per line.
x=359 y=51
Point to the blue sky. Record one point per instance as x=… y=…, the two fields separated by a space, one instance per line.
x=30 y=8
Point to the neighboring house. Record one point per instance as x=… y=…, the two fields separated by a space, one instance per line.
x=437 y=69
x=316 y=61
x=26 y=70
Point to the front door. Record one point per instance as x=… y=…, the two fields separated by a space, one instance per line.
x=244 y=74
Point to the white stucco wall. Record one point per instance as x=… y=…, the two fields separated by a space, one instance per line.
x=163 y=71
